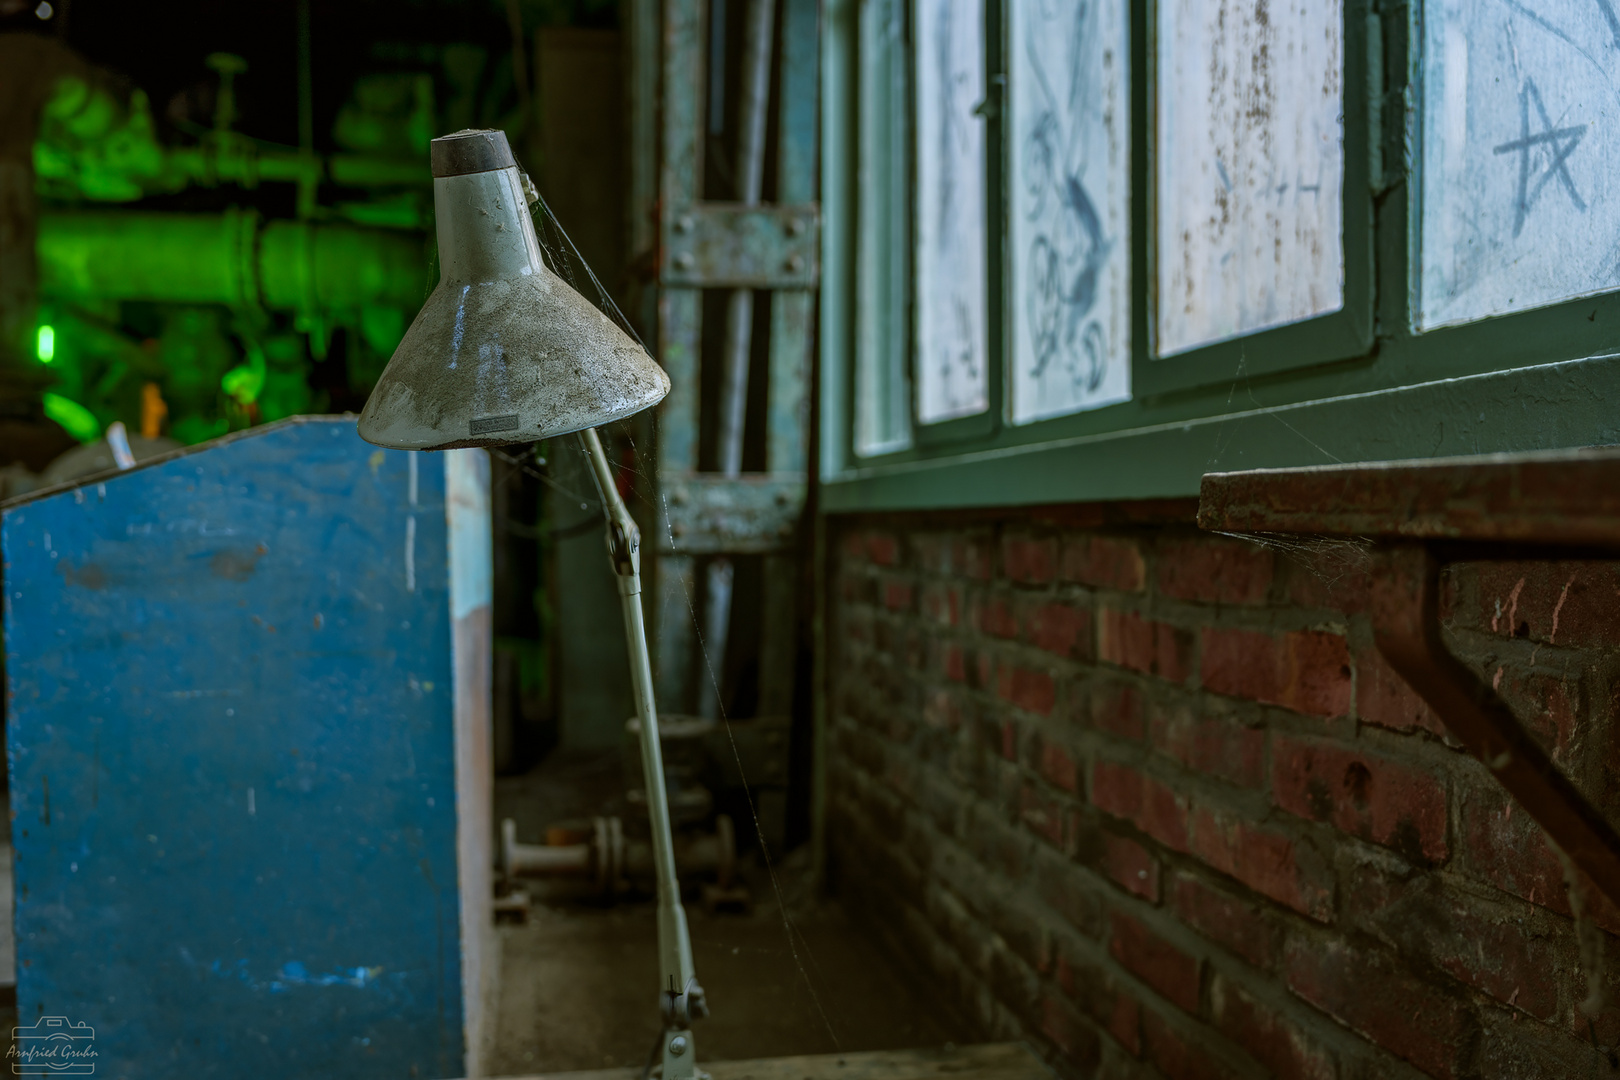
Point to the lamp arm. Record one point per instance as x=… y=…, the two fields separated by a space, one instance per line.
x=681 y=997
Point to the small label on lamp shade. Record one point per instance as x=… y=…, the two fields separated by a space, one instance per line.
x=488 y=424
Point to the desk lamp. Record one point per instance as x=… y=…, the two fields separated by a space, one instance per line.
x=504 y=352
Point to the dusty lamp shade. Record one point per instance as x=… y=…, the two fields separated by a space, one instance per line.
x=503 y=351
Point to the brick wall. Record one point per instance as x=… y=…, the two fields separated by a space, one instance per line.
x=1150 y=799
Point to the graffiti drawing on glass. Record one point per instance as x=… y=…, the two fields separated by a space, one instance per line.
x=1250 y=167
x=952 y=375
x=1069 y=100
x=1520 y=106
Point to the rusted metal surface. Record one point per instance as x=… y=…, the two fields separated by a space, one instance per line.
x=701 y=244
x=1564 y=497
x=710 y=514
x=1423 y=515
x=679 y=155
x=759 y=247
x=316 y=595
x=613 y=862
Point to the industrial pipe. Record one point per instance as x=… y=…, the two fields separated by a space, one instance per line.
x=611 y=860
x=234 y=258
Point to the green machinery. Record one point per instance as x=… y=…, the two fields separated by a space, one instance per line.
x=213 y=320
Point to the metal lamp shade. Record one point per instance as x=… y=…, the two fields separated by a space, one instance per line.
x=503 y=351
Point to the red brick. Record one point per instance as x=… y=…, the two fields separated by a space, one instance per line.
x=1562 y=603
x=1506 y=848
x=882 y=548
x=955 y=664
x=1306 y=670
x=1215 y=745
x=1493 y=951
x=983 y=667
x=974 y=557
x=1117 y=709
x=1117 y=789
x=1058 y=767
x=1214 y=571
x=852 y=589
x=1271 y=1038
x=942 y=604
x=1386 y=699
x=1176 y=1056
x=1153 y=648
x=1266 y=861
x=1225 y=920
x=1336 y=576
x=1025 y=688
x=897 y=596
x=1104 y=562
x=1062 y=629
x=1161 y=965
x=1545 y=704
x=1042 y=815
x=995 y=616
x=1101 y=998
x=1068 y=1032
x=1366 y=991
x=1164 y=815
x=1124 y=1023
x=1122 y=792
x=1059 y=884
x=1131 y=866
x=1009 y=740
x=1028 y=560
x=1362 y=794
x=930 y=552
x=942 y=710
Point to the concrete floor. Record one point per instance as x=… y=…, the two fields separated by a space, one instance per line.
x=579 y=982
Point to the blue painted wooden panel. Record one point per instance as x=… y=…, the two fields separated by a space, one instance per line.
x=232 y=761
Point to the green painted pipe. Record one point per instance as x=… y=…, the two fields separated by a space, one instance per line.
x=234 y=258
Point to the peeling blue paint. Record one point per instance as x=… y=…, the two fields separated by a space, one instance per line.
x=244 y=788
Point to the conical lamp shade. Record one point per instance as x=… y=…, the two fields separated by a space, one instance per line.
x=503 y=351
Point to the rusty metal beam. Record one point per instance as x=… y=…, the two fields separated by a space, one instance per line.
x=1556 y=497
x=731 y=244
x=712 y=514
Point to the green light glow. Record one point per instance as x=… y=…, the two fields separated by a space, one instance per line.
x=75 y=419
x=46 y=346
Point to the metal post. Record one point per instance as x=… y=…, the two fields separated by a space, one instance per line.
x=756 y=89
x=682 y=999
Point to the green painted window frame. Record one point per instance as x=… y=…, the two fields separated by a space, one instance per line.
x=1309 y=393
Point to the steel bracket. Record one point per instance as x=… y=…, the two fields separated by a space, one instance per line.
x=1406 y=626
x=713 y=514
x=735 y=246
x=1422 y=516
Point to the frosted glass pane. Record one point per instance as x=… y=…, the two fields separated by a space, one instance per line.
x=952 y=374
x=1521 y=128
x=1069 y=97
x=882 y=388
x=1250 y=167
